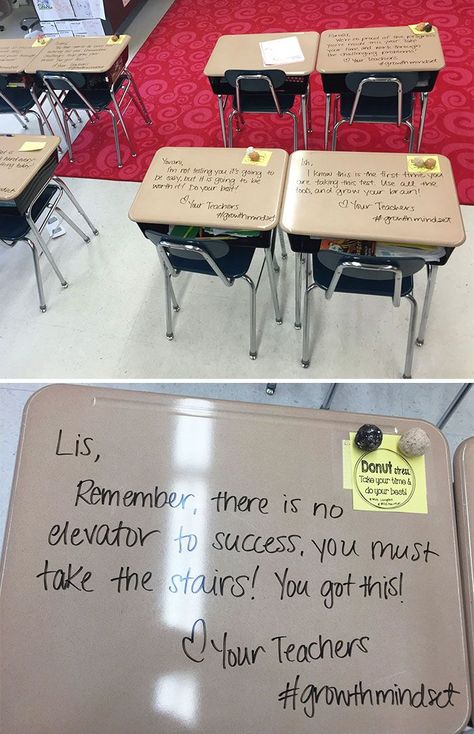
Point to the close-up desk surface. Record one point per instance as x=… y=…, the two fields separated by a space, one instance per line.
x=242 y=51
x=17 y=53
x=464 y=494
x=395 y=48
x=17 y=167
x=211 y=187
x=371 y=196
x=182 y=565
x=92 y=54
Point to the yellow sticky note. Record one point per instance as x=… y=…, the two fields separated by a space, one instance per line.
x=414 y=161
x=386 y=481
x=114 y=40
x=421 y=33
x=40 y=42
x=346 y=464
x=265 y=156
x=30 y=146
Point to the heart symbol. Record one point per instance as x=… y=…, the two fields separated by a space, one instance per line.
x=196 y=641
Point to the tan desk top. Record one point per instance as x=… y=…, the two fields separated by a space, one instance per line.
x=464 y=493
x=18 y=168
x=243 y=52
x=84 y=54
x=16 y=54
x=211 y=187
x=379 y=49
x=84 y=652
x=371 y=196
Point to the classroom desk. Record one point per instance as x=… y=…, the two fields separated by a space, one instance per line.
x=464 y=500
x=180 y=632
x=15 y=55
x=88 y=55
x=392 y=49
x=24 y=173
x=242 y=51
x=211 y=187
x=371 y=196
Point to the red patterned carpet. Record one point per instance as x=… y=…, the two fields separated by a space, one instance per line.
x=169 y=71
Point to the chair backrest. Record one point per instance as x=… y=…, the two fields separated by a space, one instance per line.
x=3 y=82
x=210 y=251
x=362 y=267
x=381 y=84
x=63 y=81
x=256 y=80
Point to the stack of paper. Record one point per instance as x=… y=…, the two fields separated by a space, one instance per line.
x=281 y=51
x=427 y=252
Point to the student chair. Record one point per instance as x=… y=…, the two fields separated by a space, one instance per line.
x=377 y=98
x=71 y=92
x=18 y=225
x=18 y=101
x=371 y=276
x=258 y=92
x=218 y=258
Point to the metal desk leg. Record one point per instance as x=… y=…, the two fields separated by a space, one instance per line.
x=304 y=115
x=41 y=111
x=460 y=395
x=326 y=404
x=432 y=271
x=310 y=123
x=424 y=105
x=221 y=118
x=299 y=261
x=326 y=120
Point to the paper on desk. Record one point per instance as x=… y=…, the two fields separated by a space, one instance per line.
x=87 y=27
x=30 y=146
x=281 y=51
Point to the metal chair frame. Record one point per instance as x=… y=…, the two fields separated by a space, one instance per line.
x=240 y=117
x=162 y=243
x=359 y=92
x=37 y=229
x=396 y=300
x=117 y=113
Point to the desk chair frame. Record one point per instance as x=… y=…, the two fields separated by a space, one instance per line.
x=359 y=93
x=396 y=300
x=272 y=91
x=63 y=82
x=164 y=244
x=20 y=115
x=51 y=207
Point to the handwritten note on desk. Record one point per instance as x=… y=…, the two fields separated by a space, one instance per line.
x=371 y=196
x=380 y=48
x=176 y=550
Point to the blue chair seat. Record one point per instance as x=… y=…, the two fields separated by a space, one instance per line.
x=234 y=261
x=363 y=286
x=263 y=102
x=99 y=99
x=19 y=97
x=14 y=226
x=382 y=109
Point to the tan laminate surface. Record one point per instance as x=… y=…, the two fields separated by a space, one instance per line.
x=379 y=49
x=160 y=656
x=464 y=494
x=16 y=54
x=18 y=168
x=242 y=51
x=211 y=187
x=371 y=196
x=92 y=54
